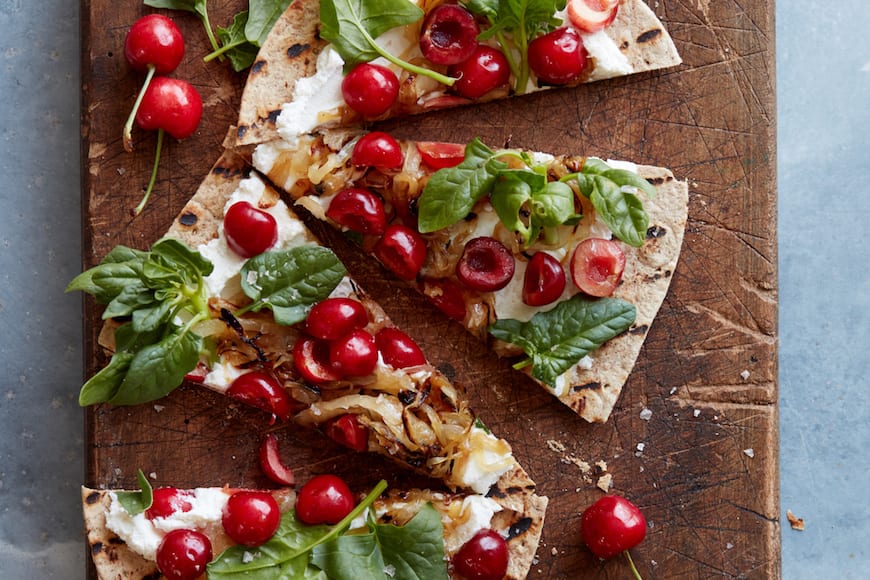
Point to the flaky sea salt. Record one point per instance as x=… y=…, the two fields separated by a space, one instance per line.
x=646 y=414
x=749 y=452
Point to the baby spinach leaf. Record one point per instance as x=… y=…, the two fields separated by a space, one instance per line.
x=136 y=502
x=105 y=281
x=290 y=282
x=262 y=17
x=451 y=193
x=196 y=6
x=235 y=45
x=556 y=340
x=102 y=386
x=510 y=198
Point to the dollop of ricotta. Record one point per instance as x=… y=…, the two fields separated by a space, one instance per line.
x=314 y=98
x=475 y=515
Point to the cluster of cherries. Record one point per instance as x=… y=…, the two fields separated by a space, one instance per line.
x=154 y=44
x=449 y=38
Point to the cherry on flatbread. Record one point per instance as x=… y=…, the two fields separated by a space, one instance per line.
x=447 y=296
x=402 y=250
x=183 y=554
x=250 y=231
x=483 y=557
x=263 y=391
x=354 y=354
x=544 y=280
x=370 y=89
x=165 y=501
x=346 y=430
x=486 y=265
x=485 y=70
x=311 y=360
x=449 y=34
x=377 y=149
x=153 y=44
x=359 y=210
x=335 y=317
x=250 y=518
x=592 y=15
x=325 y=499
x=398 y=349
x=558 y=57
x=597 y=266
x=438 y=155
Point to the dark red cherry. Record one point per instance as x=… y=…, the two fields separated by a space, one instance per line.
x=544 y=280
x=183 y=554
x=449 y=34
x=402 y=250
x=263 y=391
x=359 y=210
x=154 y=41
x=486 y=69
x=483 y=557
x=377 y=149
x=250 y=231
x=311 y=359
x=370 y=89
x=325 y=499
x=398 y=349
x=346 y=430
x=558 y=57
x=354 y=355
x=168 y=500
x=251 y=518
x=486 y=265
x=447 y=295
x=335 y=317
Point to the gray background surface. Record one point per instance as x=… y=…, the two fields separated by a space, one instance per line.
x=823 y=61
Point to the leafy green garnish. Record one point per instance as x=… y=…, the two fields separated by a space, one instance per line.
x=136 y=502
x=613 y=195
x=514 y=24
x=556 y=340
x=415 y=550
x=241 y=40
x=526 y=203
x=290 y=282
x=351 y=27
x=164 y=295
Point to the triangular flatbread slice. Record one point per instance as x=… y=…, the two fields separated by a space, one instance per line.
x=635 y=41
x=588 y=380
x=413 y=415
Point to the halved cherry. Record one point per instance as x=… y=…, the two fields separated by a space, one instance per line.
x=449 y=34
x=485 y=70
x=377 y=149
x=483 y=557
x=439 y=155
x=592 y=15
x=558 y=57
x=183 y=554
x=251 y=518
x=263 y=391
x=198 y=374
x=370 y=89
x=402 y=251
x=335 y=317
x=354 y=354
x=271 y=464
x=250 y=231
x=447 y=296
x=346 y=430
x=167 y=501
x=597 y=266
x=359 y=210
x=486 y=265
x=325 y=499
x=311 y=359
x=398 y=349
x=544 y=280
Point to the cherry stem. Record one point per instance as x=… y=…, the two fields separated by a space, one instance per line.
x=128 y=126
x=631 y=565
x=142 y=203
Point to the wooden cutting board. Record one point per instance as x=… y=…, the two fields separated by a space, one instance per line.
x=693 y=440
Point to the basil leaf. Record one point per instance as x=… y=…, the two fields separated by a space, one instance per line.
x=451 y=193
x=102 y=386
x=157 y=369
x=262 y=17
x=283 y=556
x=242 y=53
x=136 y=502
x=557 y=339
x=352 y=25
x=621 y=210
x=623 y=177
x=290 y=282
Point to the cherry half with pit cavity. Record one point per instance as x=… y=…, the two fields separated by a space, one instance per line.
x=449 y=34
x=597 y=266
x=486 y=265
x=359 y=210
x=263 y=391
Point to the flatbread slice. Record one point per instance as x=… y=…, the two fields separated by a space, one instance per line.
x=318 y=167
x=414 y=416
x=635 y=42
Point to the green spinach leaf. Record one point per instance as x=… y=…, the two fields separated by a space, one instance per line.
x=136 y=502
x=290 y=282
x=235 y=45
x=263 y=14
x=557 y=339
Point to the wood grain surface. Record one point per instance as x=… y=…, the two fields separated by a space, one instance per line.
x=701 y=460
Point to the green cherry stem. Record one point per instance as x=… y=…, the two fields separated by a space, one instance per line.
x=632 y=566
x=142 y=203
x=128 y=126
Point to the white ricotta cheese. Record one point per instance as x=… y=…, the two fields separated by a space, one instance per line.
x=488 y=458
x=314 y=98
x=143 y=536
x=222 y=376
x=609 y=60
x=476 y=514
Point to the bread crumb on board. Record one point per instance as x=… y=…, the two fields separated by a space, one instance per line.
x=795 y=522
